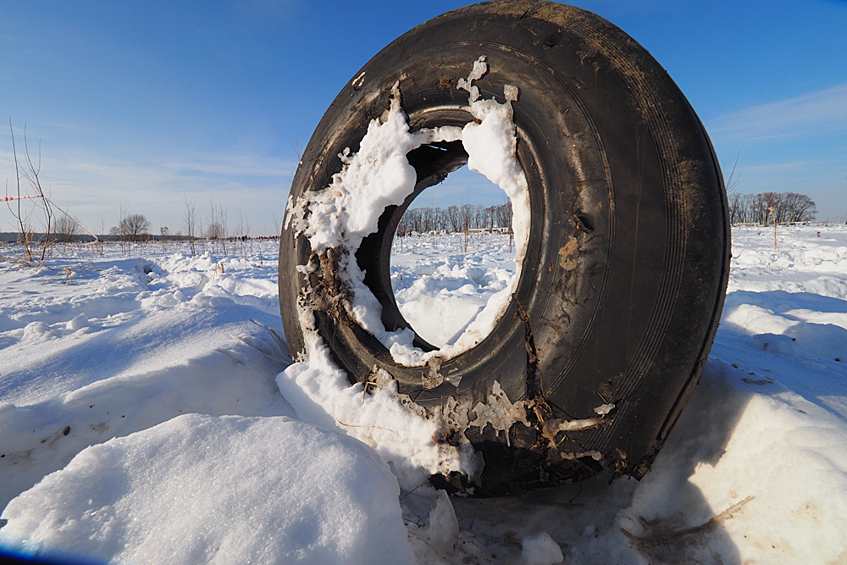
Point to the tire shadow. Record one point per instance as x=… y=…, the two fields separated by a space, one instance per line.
x=778 y=338
x=814 y=324
x=669 y=519
x=665 y=518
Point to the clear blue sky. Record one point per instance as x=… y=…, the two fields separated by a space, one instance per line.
x=137 y=104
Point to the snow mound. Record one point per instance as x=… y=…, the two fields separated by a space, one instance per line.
x=541 y=549
x=740 y=441
x=238 y=490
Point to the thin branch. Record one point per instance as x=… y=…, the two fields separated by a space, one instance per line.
x=704 y=527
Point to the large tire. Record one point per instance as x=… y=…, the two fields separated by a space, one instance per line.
x=626 y=267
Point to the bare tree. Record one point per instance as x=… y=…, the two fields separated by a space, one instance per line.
x=780 y=207
x=242 y=227
x=277 y=231
x=66 y=229
x=453 y=218
x=465 y=221
x=798 y=208
x=30 y=170
x=190 y=219
x=134 y=226
x=731 y=181
x=216 y=229
x=242 y=230
x=100 y=230
x=100 y=227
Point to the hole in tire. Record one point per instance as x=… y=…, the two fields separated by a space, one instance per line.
x=453 y=251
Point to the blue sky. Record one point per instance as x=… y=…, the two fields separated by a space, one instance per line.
x=138 y=104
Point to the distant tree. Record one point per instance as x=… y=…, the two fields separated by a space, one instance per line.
x=133 y=226
x=454 y=223
x=455 y=218
x=215 y=230
x=413 y=220
x=65 y=229
x=756 y=208
x=504 y=215
x=190 y=219
x=164 y=231
x=738 y=204
x=798 y=207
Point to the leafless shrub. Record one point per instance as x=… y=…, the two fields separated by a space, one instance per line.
x=135 y=227
x=29 y=205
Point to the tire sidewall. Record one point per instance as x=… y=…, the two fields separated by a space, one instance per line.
x=624 y=277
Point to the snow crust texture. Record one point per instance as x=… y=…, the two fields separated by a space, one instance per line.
x=440 y=301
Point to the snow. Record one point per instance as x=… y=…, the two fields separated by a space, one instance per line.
x=323 y=498
x=443 y=301
x=443 y=525
x=322 y=395
x=150 y=412
x=541 y=549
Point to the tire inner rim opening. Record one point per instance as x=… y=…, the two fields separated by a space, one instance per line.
x=448 y=261
x=379 y=175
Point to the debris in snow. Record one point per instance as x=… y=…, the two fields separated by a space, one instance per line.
x=555 y=425
x=500 y=412
x=604 y=409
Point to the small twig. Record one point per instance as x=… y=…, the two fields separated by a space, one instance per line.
x=263 y=352
x=370 y=427
x=704 y=527
x=365 y=390
x=413 y=490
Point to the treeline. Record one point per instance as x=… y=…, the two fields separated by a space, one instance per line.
x=764 y=208
x=455 y=218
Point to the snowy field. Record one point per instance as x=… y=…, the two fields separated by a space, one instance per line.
x=142 y=421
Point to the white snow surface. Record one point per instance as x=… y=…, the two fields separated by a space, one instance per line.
x=441 y=301
x=150 y=412
x=541 y=549
x=325 y=498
